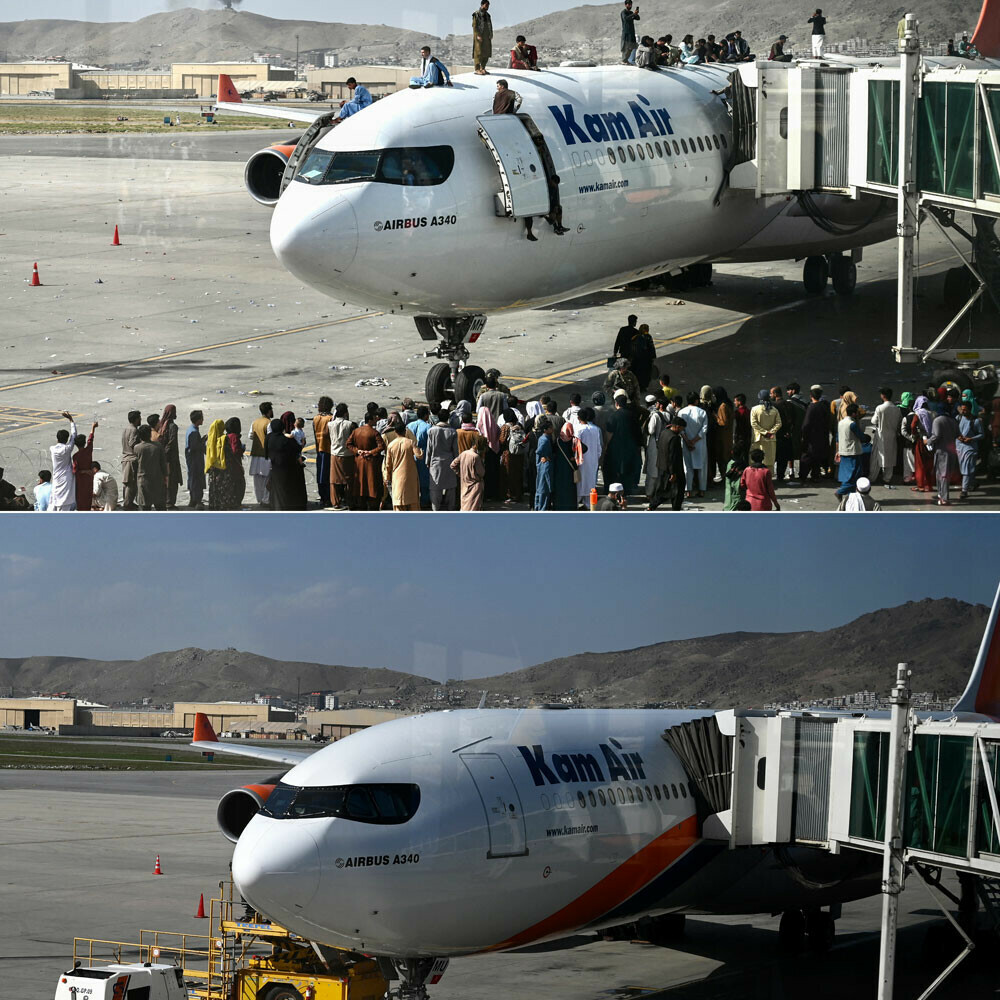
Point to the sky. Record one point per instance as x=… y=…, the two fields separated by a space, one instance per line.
x=439 y=17
x=463 y=597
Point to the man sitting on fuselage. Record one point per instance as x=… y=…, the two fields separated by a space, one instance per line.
x=433 y=72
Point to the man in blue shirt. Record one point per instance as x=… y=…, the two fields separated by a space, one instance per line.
x=360 y=99
x=433 y=72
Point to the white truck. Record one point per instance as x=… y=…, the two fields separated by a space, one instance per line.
x=122 y=982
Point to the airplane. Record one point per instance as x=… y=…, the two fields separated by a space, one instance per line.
x=417 y=203
x=458 y=833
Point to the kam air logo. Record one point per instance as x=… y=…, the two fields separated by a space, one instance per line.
x=612 y=126
x=568 y=768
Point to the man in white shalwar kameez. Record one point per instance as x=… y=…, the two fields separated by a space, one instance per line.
x=657 y=422
x=885 y=423
x=593 y=438
x=63 y=480
x=696 y=434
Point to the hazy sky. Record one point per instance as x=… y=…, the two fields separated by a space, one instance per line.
x=463 y=596
x=440 y=17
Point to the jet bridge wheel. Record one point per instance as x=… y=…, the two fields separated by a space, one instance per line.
x=844 y=273
x=437 y=387
x=815 y=272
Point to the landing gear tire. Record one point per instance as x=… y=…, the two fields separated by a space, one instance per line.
x=792 y=931
x=437 y=386
x=958 y=285
x=815 y=272
x=844 y=274
x=468 y=382
x=821 y=931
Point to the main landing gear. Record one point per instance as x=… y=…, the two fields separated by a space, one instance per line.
x=839 y=267
x=454 y=378
x=815 y=926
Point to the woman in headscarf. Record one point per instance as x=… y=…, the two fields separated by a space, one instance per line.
x=906 y=434
x=923 y=461
x=487 y=427
x=721 y=445
x=512 y=447
x=288 y=479
x=169 y=441
x=566 y=464
x=765 y=422
x=742 y=433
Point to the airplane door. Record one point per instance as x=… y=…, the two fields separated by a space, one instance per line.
x=522 y=172
x=501 y=803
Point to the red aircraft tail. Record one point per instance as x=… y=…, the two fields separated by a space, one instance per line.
x=986 y=37
x=227 y=92
x=982 y=695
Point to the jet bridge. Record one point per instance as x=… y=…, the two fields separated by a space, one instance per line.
x=922 y=131
x=922 y=792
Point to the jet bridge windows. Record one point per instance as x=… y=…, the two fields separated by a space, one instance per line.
x=384 y=804
x=408 y=166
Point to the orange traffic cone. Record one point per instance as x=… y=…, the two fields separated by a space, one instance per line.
x=116 y=242
x=157 y=870
x=35 y=280
x=201 y=914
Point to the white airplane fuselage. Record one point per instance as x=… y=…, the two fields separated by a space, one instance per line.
x=642 y=162
x=530 y=825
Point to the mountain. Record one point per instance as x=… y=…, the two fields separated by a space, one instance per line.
x=939 y=638
x=590 y=31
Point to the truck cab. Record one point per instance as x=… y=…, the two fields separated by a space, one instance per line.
x=122 y=982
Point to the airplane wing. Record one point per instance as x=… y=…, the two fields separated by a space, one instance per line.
x=230 y=102
x=204 y=738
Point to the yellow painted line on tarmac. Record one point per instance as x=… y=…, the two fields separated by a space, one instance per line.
x=189 y=351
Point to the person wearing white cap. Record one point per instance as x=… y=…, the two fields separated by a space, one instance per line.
x=654 y=426
x=861 y=500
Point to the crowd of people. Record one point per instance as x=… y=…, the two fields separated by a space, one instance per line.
x=628 y=443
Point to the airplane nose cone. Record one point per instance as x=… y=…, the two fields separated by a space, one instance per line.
x=314 y=233
x=276 y=866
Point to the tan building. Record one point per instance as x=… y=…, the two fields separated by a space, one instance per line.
x=225 y=715
x=25 y=712
x=203 y=78
x=23 y=78
x=343 y=722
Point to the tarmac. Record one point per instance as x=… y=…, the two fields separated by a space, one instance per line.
x=76 y=859
x=193 y=309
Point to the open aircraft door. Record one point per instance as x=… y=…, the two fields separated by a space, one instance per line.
x=502 y=804
x=519 y=160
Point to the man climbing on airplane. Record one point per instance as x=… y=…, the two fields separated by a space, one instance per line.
x=360 y=99
x=433 y=72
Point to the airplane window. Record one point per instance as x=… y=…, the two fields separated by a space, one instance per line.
x=673 y=788
x=656 y=788
x=581 y=799
x=375 y=803
x=642 y=155
x=723 y=138
x=621 y=796
x=649 y=149
x=715 y=139
x=677 y=148
x=684 y=145
x=600 y=795
x=631 y=154
x=631 y=794
x=593 y=798
x=611 y=154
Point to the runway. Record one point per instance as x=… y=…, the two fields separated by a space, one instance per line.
x=194 y=310
x=76 y=859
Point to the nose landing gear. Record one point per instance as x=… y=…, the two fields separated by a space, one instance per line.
x=454 y=378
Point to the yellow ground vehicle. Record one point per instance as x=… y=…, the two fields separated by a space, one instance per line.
x=247 y=957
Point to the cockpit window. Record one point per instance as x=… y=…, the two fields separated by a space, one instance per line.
x=411 y=166
x=383 y=804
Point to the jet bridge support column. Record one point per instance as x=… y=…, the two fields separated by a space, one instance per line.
x=892 y=865
x=907 y=206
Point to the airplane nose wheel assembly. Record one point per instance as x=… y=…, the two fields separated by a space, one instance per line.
x=454 y=378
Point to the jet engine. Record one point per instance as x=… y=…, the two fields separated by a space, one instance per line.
x=237 y=807
x=263 y=172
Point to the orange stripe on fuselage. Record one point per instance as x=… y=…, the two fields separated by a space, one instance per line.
x=988 y=695
x=625 y=881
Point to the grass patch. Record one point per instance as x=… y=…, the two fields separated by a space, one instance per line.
x=61 y=119
x=62 y=754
